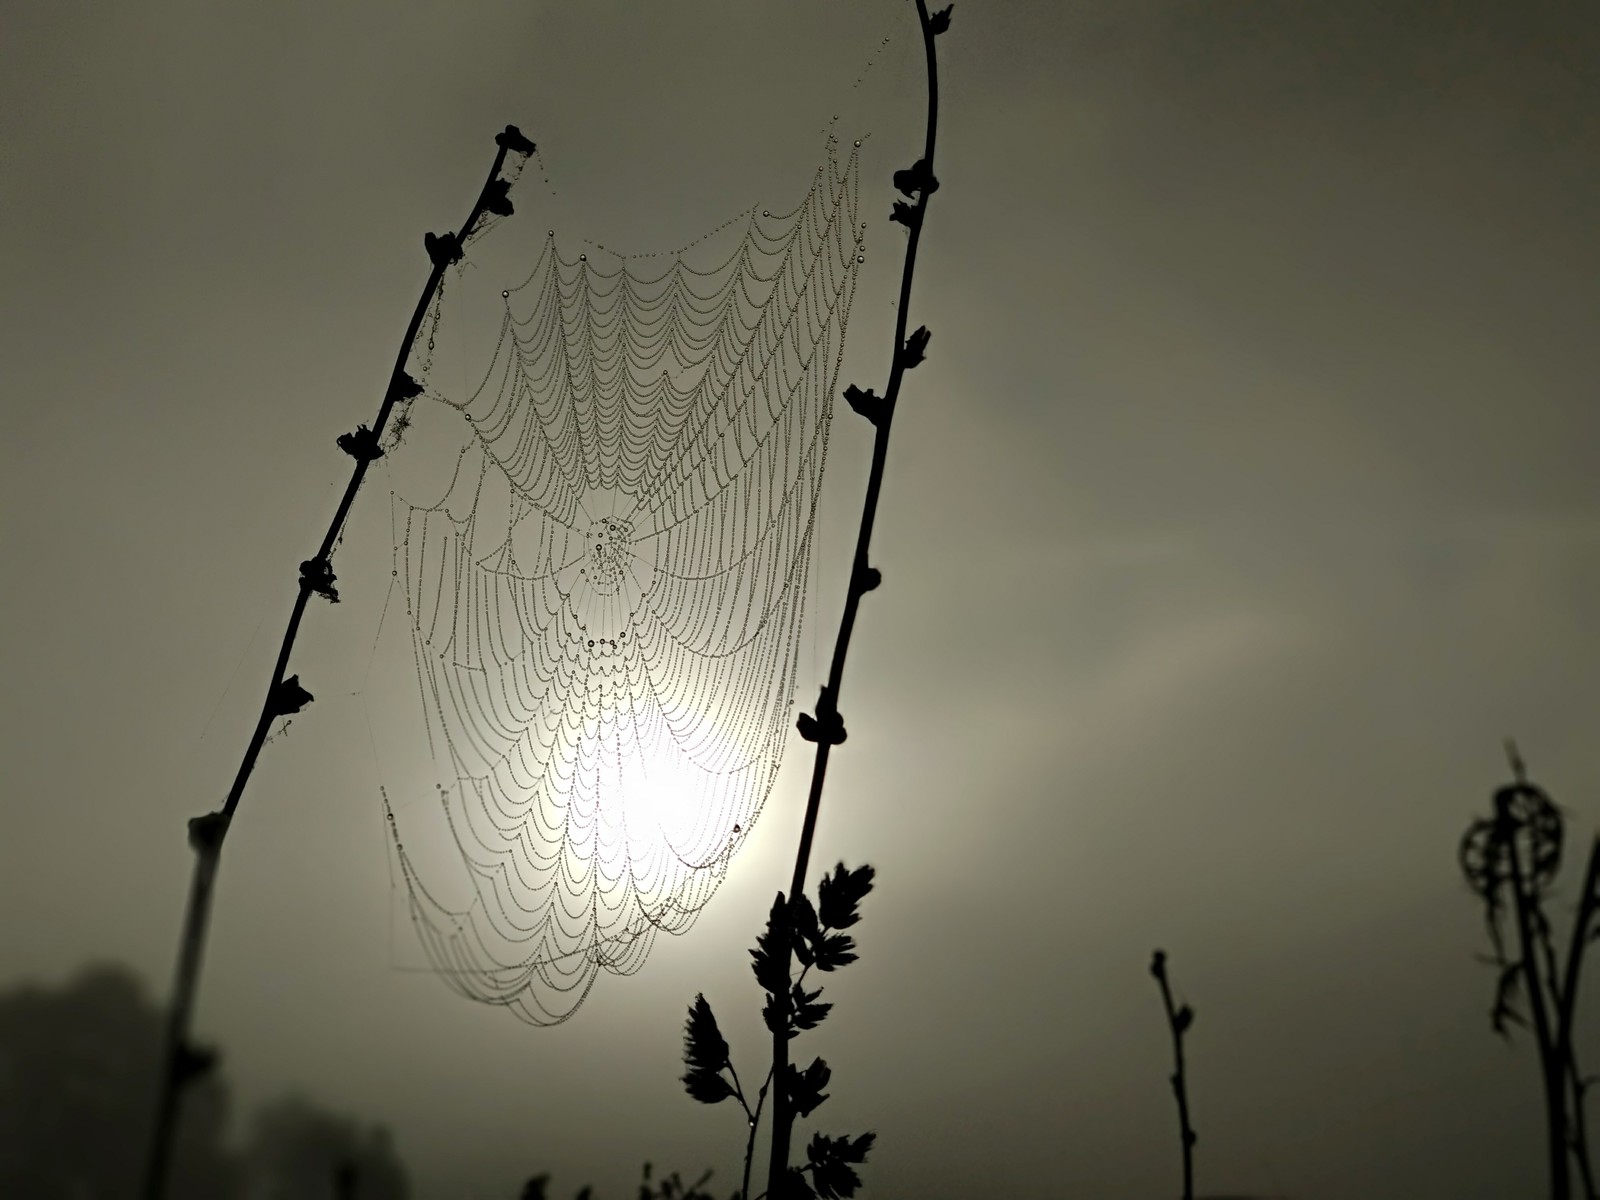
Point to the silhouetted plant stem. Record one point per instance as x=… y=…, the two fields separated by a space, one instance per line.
x=1567 y=1006
x=1527 y=823
x=919 y=181
x=1178 y=1020
x=754 y=1117
x=1551 y=1068
x=180 y=1061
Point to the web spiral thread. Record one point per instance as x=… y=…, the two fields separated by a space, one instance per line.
x=606 y=658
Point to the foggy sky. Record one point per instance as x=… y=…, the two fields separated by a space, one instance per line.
x=1247 y=501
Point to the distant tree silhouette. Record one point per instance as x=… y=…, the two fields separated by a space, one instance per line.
x=78 y=1065
x=299 y=1152
x=668 y=1187
x=76 y=1069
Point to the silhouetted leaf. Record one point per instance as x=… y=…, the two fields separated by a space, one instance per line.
x=317 y=575
x=940 y=21
x=830 y=1162
x=796 y=1187
x=514 y=140
x=840 y=894
x=770 y=958
x=362 y=444
x=443 y=248
x=1183 y=1018
x=705 y=1053
x=706 y=1087
x=869 y=405
x=808 y=1014
x=1158 y=964
x=803 y=920
x=835 y=950
x=288 y=697
x=916 y=347
x=536 y=1187
x=802 y=916
x=916 y=178
x=402 y=388
x=497 y=198
x=775 y=1014
x=805 y=1087
x=905 y=214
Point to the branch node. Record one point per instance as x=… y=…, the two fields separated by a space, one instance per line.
x=866 y=403
x=443 y=248
x=191 y=1063
x=361 y=445
x=513 y=139
x=288 y=697
x=497 y=198
x=206 y=832
x=827 y=726
x=402 y=388
x=317 y=575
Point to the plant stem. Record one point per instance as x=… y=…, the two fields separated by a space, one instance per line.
x=209 y=848
x=1180 y=1089
x=1566 y=1009
x=750 y=1142
x=1550 y=1065
x=782 y=1114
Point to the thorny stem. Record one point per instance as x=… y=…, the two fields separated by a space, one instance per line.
x=208 y=853
x=782 y=1114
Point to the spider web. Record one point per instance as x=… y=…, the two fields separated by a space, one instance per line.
x=604 y=603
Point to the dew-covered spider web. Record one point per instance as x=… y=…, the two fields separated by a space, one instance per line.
x=604 y=600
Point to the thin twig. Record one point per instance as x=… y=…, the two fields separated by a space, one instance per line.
x=206 y=834
x=1178 y=1021
x=860 y=574
x=750 y=1146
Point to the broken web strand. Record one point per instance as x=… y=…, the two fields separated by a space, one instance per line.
x=664 y=429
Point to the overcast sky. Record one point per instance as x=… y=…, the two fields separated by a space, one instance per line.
x=1247 y=501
